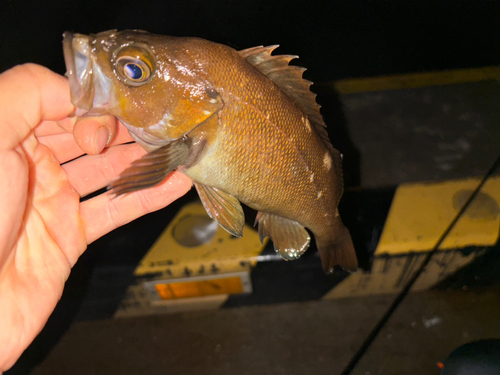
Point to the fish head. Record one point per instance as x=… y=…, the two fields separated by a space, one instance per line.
x=155 y=85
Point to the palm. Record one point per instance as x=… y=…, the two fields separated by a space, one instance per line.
x=50 y=239
x=44 y=227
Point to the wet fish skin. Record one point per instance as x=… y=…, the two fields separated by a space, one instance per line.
x=243 y=125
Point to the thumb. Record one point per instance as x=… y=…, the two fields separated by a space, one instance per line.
x=30 y=94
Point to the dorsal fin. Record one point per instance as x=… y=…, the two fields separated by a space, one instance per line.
x=289 y=79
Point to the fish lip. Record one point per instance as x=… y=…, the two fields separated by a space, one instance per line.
x=76 y=48
x=148 y=139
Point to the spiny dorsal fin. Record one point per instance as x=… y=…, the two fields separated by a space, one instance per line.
x=289 y=79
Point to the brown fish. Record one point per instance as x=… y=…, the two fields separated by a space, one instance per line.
x=243 y=125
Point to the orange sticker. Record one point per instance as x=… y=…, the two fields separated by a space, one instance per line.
x=190 y=289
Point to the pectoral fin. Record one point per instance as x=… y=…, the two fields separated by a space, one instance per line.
x=223 y=208
x=290 y=239
x=152 y=168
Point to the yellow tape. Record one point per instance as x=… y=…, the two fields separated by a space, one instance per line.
x=403 y=81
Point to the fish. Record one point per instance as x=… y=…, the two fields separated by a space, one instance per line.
x=243 y=125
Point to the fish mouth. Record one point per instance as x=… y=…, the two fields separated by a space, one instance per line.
x=77 y=57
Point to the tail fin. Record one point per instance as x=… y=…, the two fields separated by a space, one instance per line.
x=339 y=251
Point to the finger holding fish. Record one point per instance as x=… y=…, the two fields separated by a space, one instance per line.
x=93 y=134
x=90 y=133
x=73 y=137
x=93 y=172
x=104 y=213
x=85 y=138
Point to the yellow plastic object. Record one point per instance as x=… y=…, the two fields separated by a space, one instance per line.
x=421 y=212
x=194 y=245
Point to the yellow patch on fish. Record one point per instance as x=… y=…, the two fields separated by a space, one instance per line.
x=327 y=161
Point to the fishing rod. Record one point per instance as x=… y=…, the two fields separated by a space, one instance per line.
x=401 y=296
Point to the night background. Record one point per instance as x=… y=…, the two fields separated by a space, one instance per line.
x=334 y=39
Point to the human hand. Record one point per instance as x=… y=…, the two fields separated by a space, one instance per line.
x=43 y=226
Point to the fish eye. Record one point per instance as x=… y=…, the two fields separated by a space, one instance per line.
x=133 y=71
x=133 y=66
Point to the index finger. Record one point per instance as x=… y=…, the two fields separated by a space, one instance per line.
x=30 y=94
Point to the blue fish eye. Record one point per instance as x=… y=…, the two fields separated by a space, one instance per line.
x=133 y=71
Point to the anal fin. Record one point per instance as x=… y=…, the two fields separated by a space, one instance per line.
x=223 y=208
x=152 y=168
x=290 y=239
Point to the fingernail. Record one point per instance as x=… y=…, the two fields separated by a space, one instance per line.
x=102 y=138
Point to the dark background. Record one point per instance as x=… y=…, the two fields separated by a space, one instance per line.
x=334 y=39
